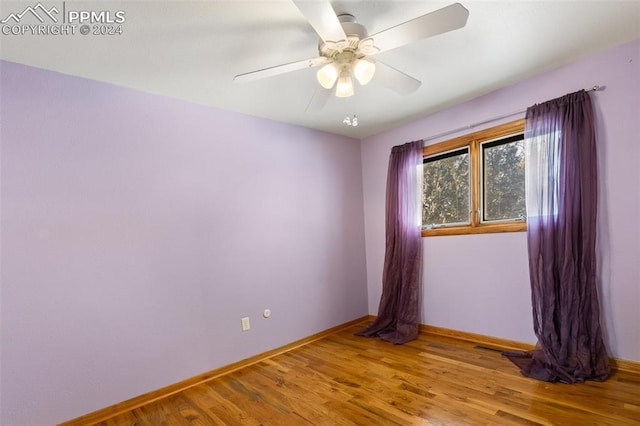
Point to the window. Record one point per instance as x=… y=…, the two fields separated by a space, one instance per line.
x=446 y=188
x=503 y=179
x=475 y=183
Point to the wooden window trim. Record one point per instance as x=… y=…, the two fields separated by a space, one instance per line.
x=473 y=141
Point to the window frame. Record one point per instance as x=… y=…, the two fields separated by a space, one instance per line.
x=473 y=141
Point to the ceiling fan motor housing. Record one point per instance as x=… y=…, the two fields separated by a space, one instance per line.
x=351 y=26
x=355 y=33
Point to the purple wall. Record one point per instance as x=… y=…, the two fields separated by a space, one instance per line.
x=480 y=283
x=137 y=230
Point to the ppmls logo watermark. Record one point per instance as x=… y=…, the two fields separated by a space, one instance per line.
x=41 y=20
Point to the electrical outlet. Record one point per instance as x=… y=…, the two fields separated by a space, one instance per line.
x=245 y=324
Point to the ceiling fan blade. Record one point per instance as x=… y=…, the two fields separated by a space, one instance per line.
x=322 y=18
x=395 y=80
x=440 y=21
x=281 y=69
x=319 y=99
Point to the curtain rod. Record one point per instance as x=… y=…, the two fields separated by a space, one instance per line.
x=491 y=120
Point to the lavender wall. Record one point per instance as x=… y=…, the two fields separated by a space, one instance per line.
x=479 y=283
x=137 y=230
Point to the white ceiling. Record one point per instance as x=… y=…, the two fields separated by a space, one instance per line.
x=191 y=50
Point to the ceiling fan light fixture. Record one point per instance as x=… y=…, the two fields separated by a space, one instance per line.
x=363 y=70
x=344 y=88
x=327 y=75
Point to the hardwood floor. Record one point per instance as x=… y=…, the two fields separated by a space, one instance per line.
x=348 y=380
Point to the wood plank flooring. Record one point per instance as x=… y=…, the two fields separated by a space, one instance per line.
x=348 y=380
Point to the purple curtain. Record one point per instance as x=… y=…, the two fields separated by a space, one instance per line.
x=561 y=184
x=397 y=319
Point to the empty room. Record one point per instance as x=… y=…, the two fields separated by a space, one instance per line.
x=313 y=212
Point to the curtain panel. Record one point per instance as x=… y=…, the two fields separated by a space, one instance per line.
x=397 y=319
x=561 y=188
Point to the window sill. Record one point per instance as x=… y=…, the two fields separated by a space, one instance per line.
x=477 y=229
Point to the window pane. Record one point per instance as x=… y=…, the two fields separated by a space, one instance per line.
x=503 y=179
x=445 y=191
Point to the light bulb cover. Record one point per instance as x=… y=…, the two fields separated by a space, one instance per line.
x=327 y=75
x=363 y=70
x=344 y=88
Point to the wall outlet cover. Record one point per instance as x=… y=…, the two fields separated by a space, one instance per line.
x=246 y=325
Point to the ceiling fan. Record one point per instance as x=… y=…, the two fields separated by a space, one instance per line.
x=346 y=50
